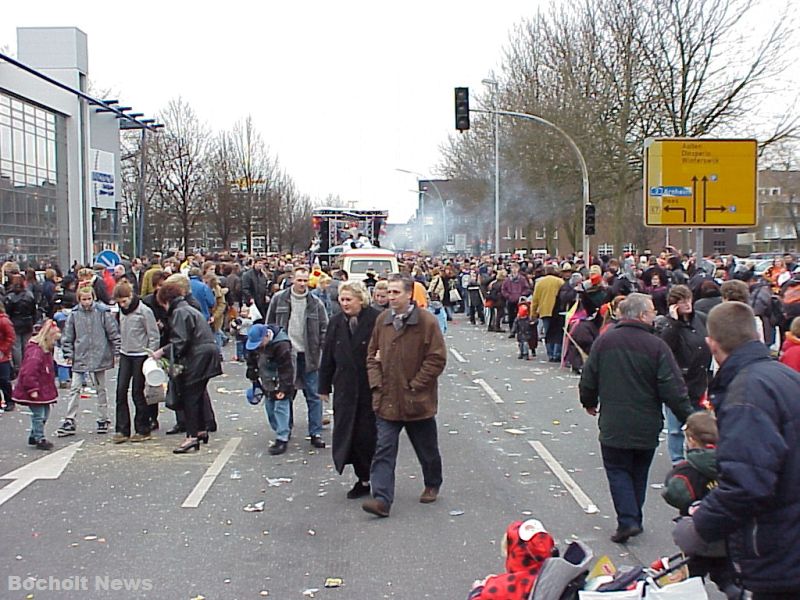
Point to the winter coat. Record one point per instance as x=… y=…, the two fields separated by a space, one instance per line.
x=21 y=309
x=344 y=371
x=687 y=340
x=404 y=366
x=192 y=343
x=545 y=296
x=254 y=287
x=761 y=300
x=272 y=365
x=36 y=374
x=584 y=333
x=790 y=352
x=757 y=503
x=515 y=287
x=691 y=479
x=203 y=294
x=138 y=330
x=704 y=305
x=7 y=337
x=630 y=373
x=280 y=310
x=90 y=339
x=234 y=284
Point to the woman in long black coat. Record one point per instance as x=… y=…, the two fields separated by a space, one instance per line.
x=344 y=369
x=192 y=345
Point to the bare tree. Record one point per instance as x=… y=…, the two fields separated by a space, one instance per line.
x=181 y=153
x=223 y=200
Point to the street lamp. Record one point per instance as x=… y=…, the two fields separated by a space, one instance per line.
x=422 y=191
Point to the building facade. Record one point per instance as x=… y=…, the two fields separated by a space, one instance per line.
x=59 y=157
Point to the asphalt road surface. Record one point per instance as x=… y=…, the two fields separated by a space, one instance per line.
x=98 y=520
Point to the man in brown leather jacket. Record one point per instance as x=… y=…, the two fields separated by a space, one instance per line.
x=405 y=358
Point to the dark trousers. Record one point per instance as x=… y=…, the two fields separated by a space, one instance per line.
x=626 y=470
x=511 y=311
x=130 y=368
x=192 y=401
x=776 y=595
x=5 y=381
x=208 y=421
x=475 y=310
x=423 y=438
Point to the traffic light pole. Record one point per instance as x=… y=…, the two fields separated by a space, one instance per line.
x=581 y=160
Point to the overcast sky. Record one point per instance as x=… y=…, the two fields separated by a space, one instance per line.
x=343 y=92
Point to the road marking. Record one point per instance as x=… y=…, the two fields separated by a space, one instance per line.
x=194 y=499
x=580 y=496
x=458 y=356
x=47 y=467
x=488 y=389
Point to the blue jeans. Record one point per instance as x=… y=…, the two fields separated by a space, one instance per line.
x=39 y=414
x=523 y=349
x=626 y=471
x=423 y=438
x=553 y=350
x=5 y=381
x=278 y=416
x=240 y=341
x=310 y=386
x=674 y=436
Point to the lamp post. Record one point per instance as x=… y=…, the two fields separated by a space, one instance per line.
x=422 y=193
x=492 y=83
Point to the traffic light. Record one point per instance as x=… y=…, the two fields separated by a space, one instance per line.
x=589 y=220
x=462 y=108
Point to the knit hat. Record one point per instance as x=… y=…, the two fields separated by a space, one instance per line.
x=522 y=311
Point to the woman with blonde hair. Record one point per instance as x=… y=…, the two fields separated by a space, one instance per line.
x=36 y=385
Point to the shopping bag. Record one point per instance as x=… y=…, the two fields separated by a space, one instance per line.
x=689 y=589
x=454 y=296
x=153 y=394
x=635 y=594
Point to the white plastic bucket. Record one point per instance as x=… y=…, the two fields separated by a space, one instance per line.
x=153 y=373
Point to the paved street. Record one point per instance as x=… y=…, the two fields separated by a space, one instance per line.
x=115 y=517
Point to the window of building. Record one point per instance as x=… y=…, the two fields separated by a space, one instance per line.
x=519 y=233
x=718 y=230
x=629 y=247
x=720 y=246
x=775 y=191
x=32 y=183
x=540 y=234
x=606 y=249
x=508 y=233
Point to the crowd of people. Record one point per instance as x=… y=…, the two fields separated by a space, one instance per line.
x=655 y=338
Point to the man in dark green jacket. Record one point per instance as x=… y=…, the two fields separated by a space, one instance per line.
x=629 y=375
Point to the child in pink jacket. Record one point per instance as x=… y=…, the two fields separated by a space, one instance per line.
x=36 y=385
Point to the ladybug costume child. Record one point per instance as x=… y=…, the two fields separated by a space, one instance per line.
x=526 y=545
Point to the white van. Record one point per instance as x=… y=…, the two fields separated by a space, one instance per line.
x=358 y=261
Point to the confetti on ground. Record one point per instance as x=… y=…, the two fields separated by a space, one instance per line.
x=515 y=431
x=257 y=507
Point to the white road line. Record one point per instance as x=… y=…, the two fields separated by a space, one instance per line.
x=488 y=389
x=194 y=499
x=458 y=356
x=48 y=467
x=580 y=496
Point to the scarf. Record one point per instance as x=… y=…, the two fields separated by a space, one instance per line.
x=399 y=319
x=131 y=307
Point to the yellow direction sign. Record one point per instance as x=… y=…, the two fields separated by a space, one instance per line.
x=700 y=183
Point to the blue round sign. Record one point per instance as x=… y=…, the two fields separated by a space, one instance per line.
x=108 y=258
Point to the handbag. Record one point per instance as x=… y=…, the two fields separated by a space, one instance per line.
x=171 y=397
x=454 y=295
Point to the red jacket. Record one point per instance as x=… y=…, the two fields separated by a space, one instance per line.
x=790 y=352
x=37 y=374
x=7 y=337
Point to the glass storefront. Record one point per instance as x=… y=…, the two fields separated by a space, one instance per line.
x=33 y=186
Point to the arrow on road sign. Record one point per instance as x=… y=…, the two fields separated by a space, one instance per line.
x=717 y=208
x=674 y=208
x=49 y=467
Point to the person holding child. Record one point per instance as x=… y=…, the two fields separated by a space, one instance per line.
x=36 y=385
x=689 y=481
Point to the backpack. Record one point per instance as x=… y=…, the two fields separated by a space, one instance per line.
x=791 y=295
